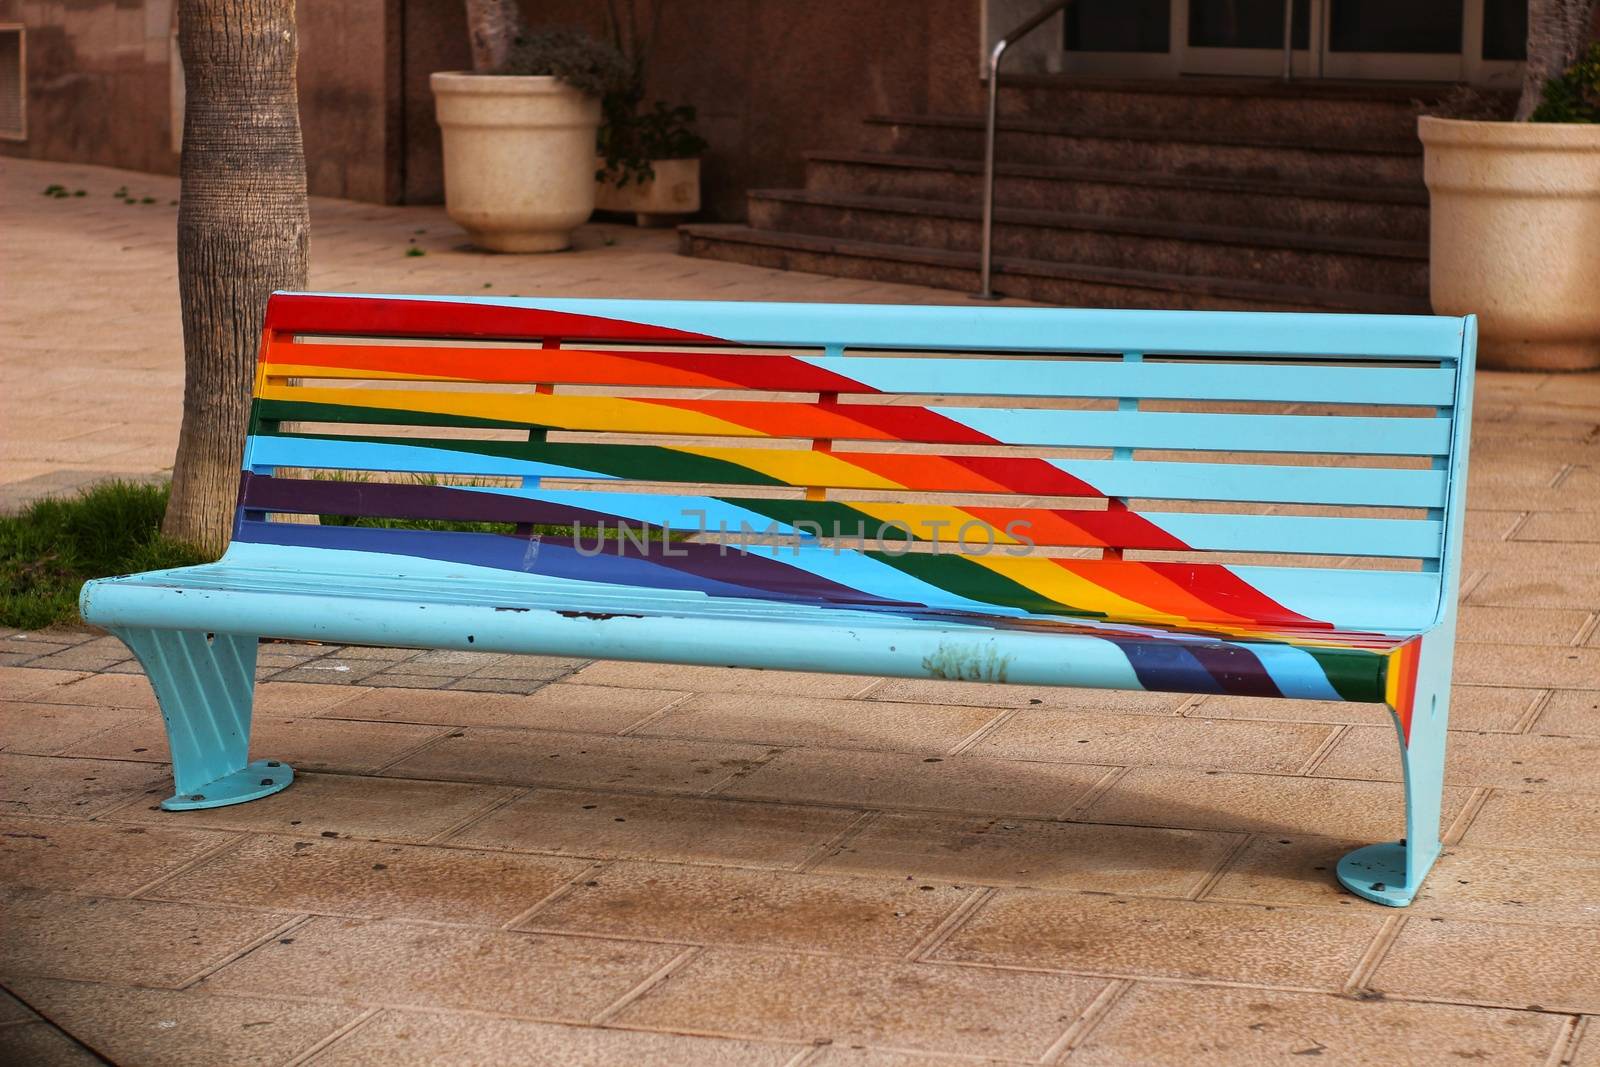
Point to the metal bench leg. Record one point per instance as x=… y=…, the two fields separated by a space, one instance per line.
x=1391 y=873
x=205 y=684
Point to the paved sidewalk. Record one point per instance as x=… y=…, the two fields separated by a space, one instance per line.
x=491 y=859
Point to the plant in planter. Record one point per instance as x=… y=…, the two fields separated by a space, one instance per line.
x=1515 y=206
x=649 y=161
x=519 y=130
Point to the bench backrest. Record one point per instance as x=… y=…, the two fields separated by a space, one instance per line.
x=1280 y=471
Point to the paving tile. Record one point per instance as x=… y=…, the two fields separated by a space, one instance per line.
x=56 y=935
x=386 y=809
x=409 y=681
x=991 y=695
x=1519 y=626
x=1021 y=852
x=672 y=829
x=960 y=1010
x=1559 y=526
x=528 y=757
x=103 y=690
x=1142 y=740
x=898 y=780
x=862 y=1056
x=1514 y=965
x=392 y=655
x=1472 y=707
x=1220 y=800
x=755 y=909
x=152 y=1026
x=25 y=683
x=373 y=880
x=44 y=729
x=133 y=691
x=13 y=1010
x=1534 y=818
x=42 y=1045
x=53 y=785
x=530 y=668
x=1587 y=1053
x=101 y=859
x=586 y=708
x=504 y=686
x=719 y=679
x=1570 y=712
x=822 y=722
x=1196 y=1026
x=1484 y=525
x=1505 y=760
x=1134 y=937
x=401 y=1039
x=1535 y=666
x=328 y=671
x=1538 y=589
x=304 y=743
x=1466 y=882
x=397 y=964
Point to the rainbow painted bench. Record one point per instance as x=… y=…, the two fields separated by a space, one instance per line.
x=1197 y=502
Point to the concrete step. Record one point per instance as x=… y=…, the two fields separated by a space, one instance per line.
x=1384 y=161
x=1399 y=212
x=1364 y=264
x=1072 y=284
x=1305 y=108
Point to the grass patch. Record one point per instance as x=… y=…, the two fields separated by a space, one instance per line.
x=49 y=550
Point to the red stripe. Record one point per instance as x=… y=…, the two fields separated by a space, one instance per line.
x=390 y=317
x=713 y=370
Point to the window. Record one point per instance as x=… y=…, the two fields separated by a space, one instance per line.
x=13 y=84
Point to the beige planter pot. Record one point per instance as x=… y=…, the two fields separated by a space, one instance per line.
x=1515 y=222
x=674 y=191
x=518 y=158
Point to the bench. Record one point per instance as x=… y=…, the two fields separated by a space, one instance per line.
x=1196 y=502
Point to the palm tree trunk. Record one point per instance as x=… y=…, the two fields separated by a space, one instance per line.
x=492 y=27
x=243 y=228
x=1558 y=32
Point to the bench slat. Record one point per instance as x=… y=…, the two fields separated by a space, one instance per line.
x=875 y=326
x=967 y=528
x=1319 y=434
x=1031 y=377
x=1145 y=479
x=1256 y=599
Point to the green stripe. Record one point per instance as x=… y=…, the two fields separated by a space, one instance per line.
x=963 y=577
x=1356 y=674
x=266 y=411
x=650 y=463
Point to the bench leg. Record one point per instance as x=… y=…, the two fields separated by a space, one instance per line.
x=206 y=684
x=1392 y=872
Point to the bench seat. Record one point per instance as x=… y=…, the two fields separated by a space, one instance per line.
x=348 y=597
x=1209 y=503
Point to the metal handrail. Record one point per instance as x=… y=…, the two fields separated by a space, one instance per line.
x=986 y=290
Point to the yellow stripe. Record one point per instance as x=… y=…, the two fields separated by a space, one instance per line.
x=1043 y=576
x=565 y=412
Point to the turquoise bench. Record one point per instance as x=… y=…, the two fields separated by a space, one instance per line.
x=1196 y=502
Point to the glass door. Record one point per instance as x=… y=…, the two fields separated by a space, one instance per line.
x=1246 y=36
x=1402 y=39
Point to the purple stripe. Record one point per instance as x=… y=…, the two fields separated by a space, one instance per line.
x=701 y=568
x=388 y=500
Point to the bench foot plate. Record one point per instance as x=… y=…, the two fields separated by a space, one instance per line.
x=256 y=780
x=1378 y=873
